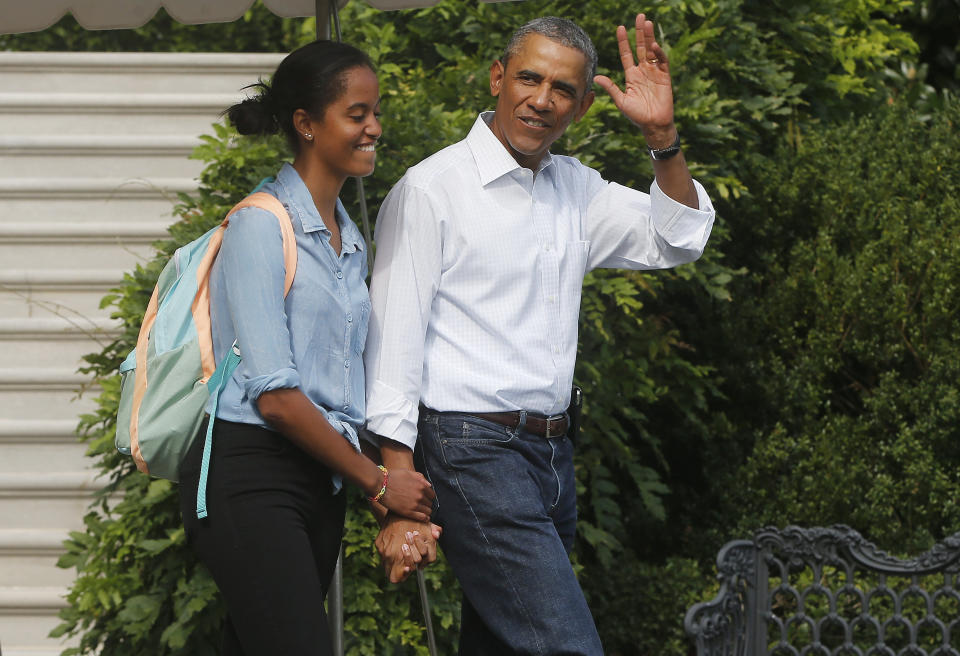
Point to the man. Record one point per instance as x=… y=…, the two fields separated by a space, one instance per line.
x=482 y=249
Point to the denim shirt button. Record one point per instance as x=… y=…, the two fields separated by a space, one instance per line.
x=346 y=363
x=349 y=318
x=340 y=274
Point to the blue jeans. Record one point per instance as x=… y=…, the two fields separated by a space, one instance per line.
x=507 y=502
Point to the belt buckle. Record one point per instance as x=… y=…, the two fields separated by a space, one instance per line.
x=547 y=434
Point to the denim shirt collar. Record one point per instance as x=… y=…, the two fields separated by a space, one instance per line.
x=492 y=158
x=301 y=207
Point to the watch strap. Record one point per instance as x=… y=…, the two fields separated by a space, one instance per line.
x=661 y=154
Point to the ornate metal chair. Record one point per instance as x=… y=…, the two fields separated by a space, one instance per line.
x=813 y=591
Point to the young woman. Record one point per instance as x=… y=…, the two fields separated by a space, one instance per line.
x=285 y=433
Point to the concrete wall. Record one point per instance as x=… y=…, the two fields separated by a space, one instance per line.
x=93 y=148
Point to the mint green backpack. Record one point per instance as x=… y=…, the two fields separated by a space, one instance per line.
x=167 y=380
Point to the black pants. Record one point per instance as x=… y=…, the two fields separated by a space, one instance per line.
x=271 y=538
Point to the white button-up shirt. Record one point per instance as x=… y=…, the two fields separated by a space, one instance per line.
x=479 y=269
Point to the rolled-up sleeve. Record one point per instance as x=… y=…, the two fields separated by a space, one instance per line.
x=252 y=261
x=633 y=230
x=406 y=275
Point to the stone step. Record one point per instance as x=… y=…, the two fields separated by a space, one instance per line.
x=170 y=73
x=43 y=353
x=121 y=253
x=27 y=615
x=108 y=229
x=75 y=188
x=106 y=114
x=59 y=279
x=36 y=342
x=78 y=302
x=49 y=394
x=21 y=213
x=34 y=570
x=47 y=484
x=86 y=122
x=18 y=650
x=19 y=541
x=40 y=379
x=58 y=457
x=46 y=513
x=59 y=329
x=35 y=598
x=71 y=294
x=46 y=500
x=47 y=431
x=63 y=155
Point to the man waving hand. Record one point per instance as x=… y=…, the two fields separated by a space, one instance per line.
x=482 y=250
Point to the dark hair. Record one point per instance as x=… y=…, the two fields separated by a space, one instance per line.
x=309 y=78
x=561 y=30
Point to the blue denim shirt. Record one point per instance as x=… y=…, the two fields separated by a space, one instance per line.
x=313 y=339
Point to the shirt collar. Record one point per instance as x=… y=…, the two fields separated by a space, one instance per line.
x=492 y=158
x=302 y=209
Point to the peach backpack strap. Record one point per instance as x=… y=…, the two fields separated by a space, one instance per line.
x=140 y=379
x=201 y=305
x=265 y=201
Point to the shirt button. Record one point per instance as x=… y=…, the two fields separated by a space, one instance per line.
x=339 y=274
x=556 y=349
x=553 y=299
x=548 y=248
x=346 y=363
x=349 y=318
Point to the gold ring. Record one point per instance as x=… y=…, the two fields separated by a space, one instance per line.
x=653 y=61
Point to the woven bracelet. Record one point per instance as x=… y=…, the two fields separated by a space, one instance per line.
x=383 y=488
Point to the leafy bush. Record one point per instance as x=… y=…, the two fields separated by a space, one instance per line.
x=850 y=362
x=641 y=610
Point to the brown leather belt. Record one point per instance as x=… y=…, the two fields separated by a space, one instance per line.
x=553 y=426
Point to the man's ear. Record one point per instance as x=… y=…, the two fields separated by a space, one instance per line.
x=497 y=72
x=588 y=99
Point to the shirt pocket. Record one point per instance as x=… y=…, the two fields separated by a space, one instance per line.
x=575 y=254
x=360 y=335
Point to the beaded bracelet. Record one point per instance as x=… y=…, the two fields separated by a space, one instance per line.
x=383 y=489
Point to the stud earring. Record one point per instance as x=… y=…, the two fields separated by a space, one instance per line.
x=308 y=136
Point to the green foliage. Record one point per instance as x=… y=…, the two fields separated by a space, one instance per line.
x=387 y=620
x=851 y=364
x=640 y=610
x=657 y=375
x=936 y=26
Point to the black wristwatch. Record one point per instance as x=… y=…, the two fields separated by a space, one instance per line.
x=661 y=154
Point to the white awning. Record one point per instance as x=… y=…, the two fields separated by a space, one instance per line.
x=34 y=15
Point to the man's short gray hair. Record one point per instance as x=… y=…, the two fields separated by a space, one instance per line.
x=561 y=30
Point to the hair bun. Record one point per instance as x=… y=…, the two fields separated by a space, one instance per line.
x=255 y=115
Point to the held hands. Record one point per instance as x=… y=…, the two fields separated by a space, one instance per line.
x=406 y=545
x=408 y=494
x=647 y=98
